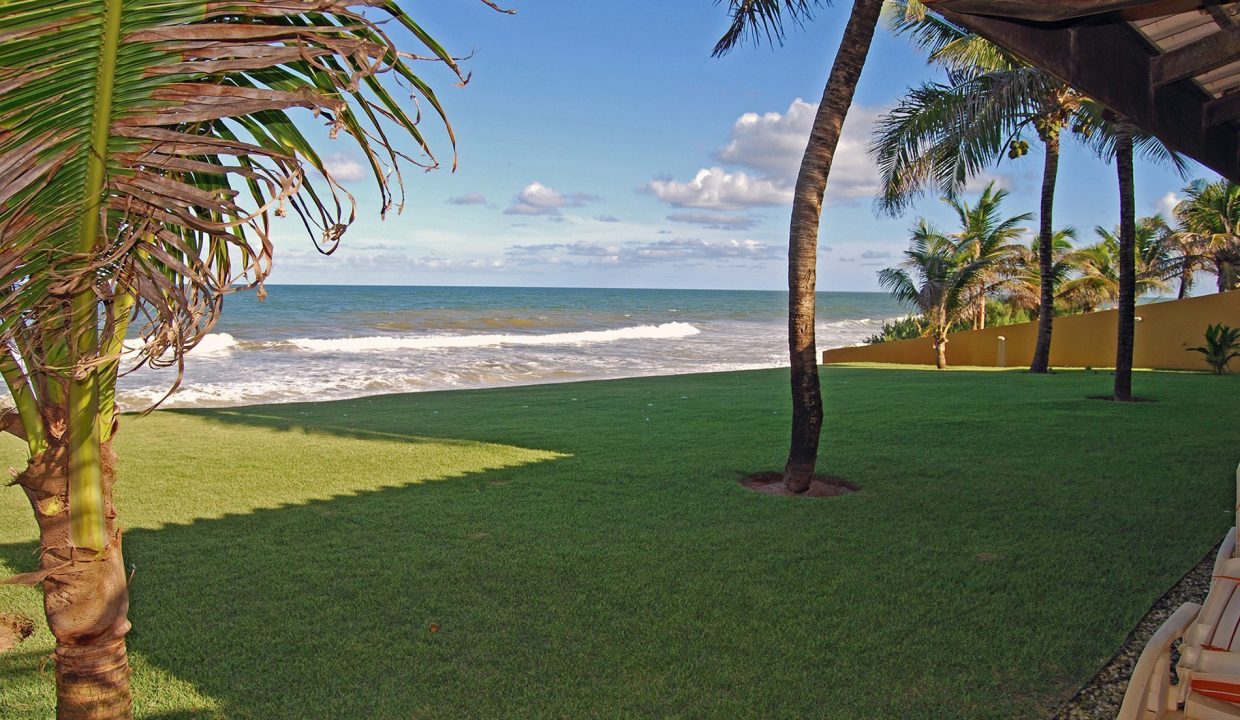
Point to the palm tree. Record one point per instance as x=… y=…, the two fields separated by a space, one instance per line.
x=1187 y=261
x=1096 y=282
x=1115 y=136
x=1024 y=286
x=1210 y=232
x=1127 y=301
x=1097 y=266
x=758 y=18
x=143 y=147
x=984 y=233
x=941 y=134
x=937 y=279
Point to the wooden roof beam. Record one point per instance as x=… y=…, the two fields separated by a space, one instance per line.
x=1040 y=10
x=1211 y=52
x=1109 y=61
x=1223 y=110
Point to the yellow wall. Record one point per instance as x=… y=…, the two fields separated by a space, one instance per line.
x=1164 y=332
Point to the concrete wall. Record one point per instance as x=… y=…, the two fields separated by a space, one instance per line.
x=1164 y=332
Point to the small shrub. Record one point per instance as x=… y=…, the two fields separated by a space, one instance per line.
x=910 y=327
x=1222 y=344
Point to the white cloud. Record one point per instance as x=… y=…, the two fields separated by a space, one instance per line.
x=1166 y=205
x=717 y=189
x=774 y=144
x=875 y=255
x=980 y=181
x=395 y=260
x=343 y=168
x=706 y=250
x=607 y=219
x=769 y=148
x=470 y=198
x=715 y=221
x=538 y=199
x=771 y=143
x=677 y=250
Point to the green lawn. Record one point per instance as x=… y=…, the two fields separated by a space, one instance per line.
x=586 y=551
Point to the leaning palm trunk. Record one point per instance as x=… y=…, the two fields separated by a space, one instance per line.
x=1127 y=261
x=811 y=185
x=1046 y=261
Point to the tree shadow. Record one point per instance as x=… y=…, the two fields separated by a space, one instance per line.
x=337 y=596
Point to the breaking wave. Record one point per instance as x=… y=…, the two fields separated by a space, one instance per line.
x=425 y=342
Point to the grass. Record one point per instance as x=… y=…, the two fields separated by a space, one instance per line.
x=585 y=549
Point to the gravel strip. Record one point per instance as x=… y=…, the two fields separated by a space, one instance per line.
x=1101 y=697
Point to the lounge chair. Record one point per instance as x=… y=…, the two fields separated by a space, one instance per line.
x=1208 y=670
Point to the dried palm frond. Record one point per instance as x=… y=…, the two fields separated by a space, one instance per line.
x=145 y=145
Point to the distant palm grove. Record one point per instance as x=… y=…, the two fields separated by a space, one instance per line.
x=941 y=135
x=982 y=273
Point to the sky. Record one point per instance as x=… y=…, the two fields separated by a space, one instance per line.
x=600 y=145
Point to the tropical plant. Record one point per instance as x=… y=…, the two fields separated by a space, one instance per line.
x=144 y=146
x=1096 y=280
x=998 y=312
x=1222 y=346
x=1024 y=273
x=1209 y=218
x=937 y=278
x=764 y=18
x=942 y=134
x=985 y=233
x=905 y=328
x=1116 y=137
x=1187 y=261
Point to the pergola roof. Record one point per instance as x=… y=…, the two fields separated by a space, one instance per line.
x=1172 y=66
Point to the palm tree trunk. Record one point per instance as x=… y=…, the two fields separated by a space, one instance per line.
x=803 y=240
x=1046 y=231
x=1228 y=274
x=85 y=594
x=940 y=352
x=1127 y=261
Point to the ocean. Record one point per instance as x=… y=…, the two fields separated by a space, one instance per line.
x=306 y=343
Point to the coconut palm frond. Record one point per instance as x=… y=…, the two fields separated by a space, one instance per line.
x=144 y=148
x=940 y=135
x=944 y=42
x=760 y=20
x=1095 y=126
x=1209 y=232
x=900 y=285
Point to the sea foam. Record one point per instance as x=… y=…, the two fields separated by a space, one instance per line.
x=426 y=342
x=214 y=344
x=211 y=345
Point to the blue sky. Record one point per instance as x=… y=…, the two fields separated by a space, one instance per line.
x=601 y=146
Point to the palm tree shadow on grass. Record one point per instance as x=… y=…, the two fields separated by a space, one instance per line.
x=336 y=596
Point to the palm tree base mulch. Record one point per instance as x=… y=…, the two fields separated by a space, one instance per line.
x=772 y=483
x=1104 y=693
x=1112 y=398
x=14 y=628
